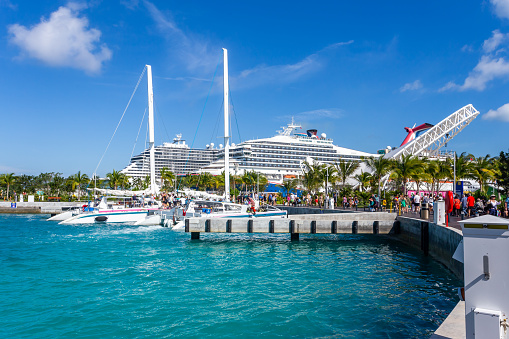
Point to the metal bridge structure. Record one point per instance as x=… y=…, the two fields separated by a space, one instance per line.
x=429 y=143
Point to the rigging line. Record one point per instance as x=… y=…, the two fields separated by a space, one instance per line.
x=235 y=115
x=203 y=111
x=146 y=137
x=160 y=118
x=216 y=126
x=139 y=130
x=125 y=110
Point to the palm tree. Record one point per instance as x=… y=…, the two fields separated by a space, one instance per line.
x=77 y=180
x=463 y=165
x=404 y=168
x=114 y=179
x=380 y=167
x=482 y=170
x=364 y=179
x=289 y=186
x=311 y=177
x=8 y=179
x=146 y=182
x=206 y=180
x=138 y=183
x=345 y=169
x=166 y=175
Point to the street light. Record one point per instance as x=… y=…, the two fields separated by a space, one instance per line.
x=235 y=195
x=326 y=187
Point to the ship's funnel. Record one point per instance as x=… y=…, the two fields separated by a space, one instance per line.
x=312 y=132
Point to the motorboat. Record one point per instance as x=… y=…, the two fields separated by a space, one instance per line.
x=116 y=210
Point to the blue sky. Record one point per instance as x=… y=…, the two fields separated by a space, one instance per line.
x=359 y=71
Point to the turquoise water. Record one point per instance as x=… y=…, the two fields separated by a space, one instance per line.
x=149 y=282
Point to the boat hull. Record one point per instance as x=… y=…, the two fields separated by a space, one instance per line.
x=107 y=217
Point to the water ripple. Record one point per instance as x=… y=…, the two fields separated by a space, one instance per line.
x=126 y=281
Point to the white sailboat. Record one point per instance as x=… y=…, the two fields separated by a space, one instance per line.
x=136 y=211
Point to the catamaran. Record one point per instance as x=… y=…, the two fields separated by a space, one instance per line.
x=135 y=211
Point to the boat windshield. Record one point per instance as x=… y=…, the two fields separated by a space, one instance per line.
x=232 y=207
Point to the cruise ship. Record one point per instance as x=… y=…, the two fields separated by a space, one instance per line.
x=282 y=156
x=278 y=157
x=178 y=157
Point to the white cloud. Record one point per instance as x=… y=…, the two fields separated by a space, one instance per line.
x=501 y=8
x=448 y=86
x=467 y=48
x=286 y=73
x=496 y=40
x=64 y=40
x=493 y=65
x=502 y=113
x=411 y=86
x=322 y=113
x=8 y=4
x=192 y=51
x=486 y=70
x=201 y=56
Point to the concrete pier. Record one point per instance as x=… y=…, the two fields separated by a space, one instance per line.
x=294 y=226
x=43 y=207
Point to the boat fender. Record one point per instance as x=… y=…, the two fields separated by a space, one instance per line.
x=101 y=218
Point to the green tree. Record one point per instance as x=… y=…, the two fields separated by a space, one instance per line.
x=114 y=179
x=167 y=176
x=137 y=183
x=345 y=169
x=311 y=177
x=482 y=170
x=404 y=168
x=289 y=186
x=8 y=179
x=77 y=180
x=380 y=167
x=364 y=179
x=502 y=174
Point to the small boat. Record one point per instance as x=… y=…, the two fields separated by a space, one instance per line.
x=116 y=212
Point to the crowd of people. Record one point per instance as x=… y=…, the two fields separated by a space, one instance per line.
x=465 y=205
x=468 y=206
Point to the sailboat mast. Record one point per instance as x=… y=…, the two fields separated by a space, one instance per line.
x=153 y=187
x=226 y=128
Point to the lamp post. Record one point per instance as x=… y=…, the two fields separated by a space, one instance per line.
x=234 y=195
x=326 y=187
